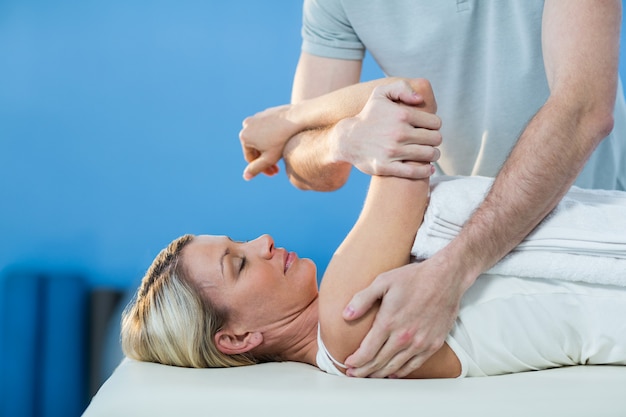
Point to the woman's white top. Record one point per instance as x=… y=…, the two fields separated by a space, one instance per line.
x=507 y=324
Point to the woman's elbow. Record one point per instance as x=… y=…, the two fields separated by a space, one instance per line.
x=324 y=183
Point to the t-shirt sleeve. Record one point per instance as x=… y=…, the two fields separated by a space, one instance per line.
x=327 y=32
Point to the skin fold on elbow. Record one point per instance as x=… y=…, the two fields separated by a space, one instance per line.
x=332 y=181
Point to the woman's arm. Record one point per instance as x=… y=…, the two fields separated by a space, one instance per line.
x=380 y=240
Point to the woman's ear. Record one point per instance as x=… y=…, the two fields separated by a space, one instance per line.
x=231 y=344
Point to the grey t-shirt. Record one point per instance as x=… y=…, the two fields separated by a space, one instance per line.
x=484 y=60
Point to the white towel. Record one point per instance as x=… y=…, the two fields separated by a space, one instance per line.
x=571 y=243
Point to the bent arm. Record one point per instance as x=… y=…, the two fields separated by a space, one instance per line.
x=318 y=127
x=380 y=240
x=335 y=122
x=310 y=159
x=352 y=125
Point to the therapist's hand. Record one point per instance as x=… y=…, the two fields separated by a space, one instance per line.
x=420 y=302
x=392 y=128
x=263 y=138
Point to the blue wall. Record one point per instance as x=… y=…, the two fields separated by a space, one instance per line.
x=119 y=128
x=118 y=132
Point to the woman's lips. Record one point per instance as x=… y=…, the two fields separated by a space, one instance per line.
x=289 y=259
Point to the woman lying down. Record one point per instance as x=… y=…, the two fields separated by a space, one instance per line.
x=208 y=301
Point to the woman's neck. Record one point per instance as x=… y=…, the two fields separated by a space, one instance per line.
x=296 y=338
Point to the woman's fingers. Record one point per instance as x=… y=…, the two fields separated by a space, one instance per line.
x=265 y=163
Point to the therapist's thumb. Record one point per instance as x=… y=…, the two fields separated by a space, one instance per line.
x=401 y=91
x=363 y=301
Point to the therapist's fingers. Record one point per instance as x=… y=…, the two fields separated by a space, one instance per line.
x=404 y=169
x=376 y=367
x=396 y=365
x=364 y=300
x=405 y=361
x=393 y=361
x=370 y=356
x=400 y=91
x=389 y=359
x=422 y=119
x=424 y=136
x=411 y=365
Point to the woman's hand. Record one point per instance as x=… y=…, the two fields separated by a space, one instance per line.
x=263 y=138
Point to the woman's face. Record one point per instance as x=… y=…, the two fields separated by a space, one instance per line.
x=256 y=282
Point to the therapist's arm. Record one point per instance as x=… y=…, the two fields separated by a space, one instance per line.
x=581 y=50
x=376 y=141
x=264 y=135
x=319 y=156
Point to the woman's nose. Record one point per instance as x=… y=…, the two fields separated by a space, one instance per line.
x=264 y=244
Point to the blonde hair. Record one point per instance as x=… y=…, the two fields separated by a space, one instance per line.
x=169 y=322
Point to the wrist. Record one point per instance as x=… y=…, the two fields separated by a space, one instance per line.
x=464 y=267
x=294 y=118
x=338 y=142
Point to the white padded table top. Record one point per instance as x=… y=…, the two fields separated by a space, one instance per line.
x=294 y=389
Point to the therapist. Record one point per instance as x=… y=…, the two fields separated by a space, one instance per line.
x=527 y=92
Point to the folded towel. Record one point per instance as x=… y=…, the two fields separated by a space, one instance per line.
x=572 y=243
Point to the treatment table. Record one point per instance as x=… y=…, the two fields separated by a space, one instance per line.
x=295 y=389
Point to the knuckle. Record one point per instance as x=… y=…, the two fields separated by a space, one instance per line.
x=387 y=152
x=433 y=154
x=384 y=278
x=404 y=338
x=438 y=122
x=391 y=364
x=437 y=138
x=418 y=344
x=420 y=171
x=357 y=299
x=396 y=135
x=403 y=115
x=377 y=364
x=386 y=324
x=378 y=167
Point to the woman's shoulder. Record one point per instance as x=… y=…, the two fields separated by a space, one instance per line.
x=325 y=361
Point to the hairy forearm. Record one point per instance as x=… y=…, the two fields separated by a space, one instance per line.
x=580 y=44
x=541 y=168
